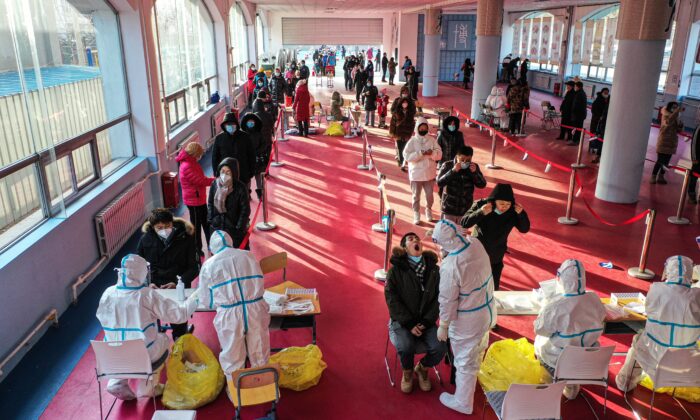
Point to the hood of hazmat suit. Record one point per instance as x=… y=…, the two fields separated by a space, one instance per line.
x=575 y=318
x=231 y=281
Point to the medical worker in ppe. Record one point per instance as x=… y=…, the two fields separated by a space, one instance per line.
x=574 y=317
x=231 y=281
x=129 y=310
x=467 y=308
x=673 y=322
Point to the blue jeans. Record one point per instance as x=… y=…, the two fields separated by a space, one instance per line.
x=406 y=344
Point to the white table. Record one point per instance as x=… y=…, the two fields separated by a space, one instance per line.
x=525 y=299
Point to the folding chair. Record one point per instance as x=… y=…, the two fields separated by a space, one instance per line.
x=420 y=349
x=275 y=262
x=121 y=360
x=550 y=117
x=174 y=415
x=532 y=402
x=254 y=386
x=585 y=366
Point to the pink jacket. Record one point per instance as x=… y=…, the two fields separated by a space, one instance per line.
x=192 y=180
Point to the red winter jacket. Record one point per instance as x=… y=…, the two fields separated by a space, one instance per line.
x=301 y=102
x=192 y=180
x=251 y=80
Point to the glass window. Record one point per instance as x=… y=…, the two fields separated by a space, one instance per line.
x=238 y=31
x=61 y=78
x=694 y=89
x=185 y=36
x=537 y=36
x=260 y=41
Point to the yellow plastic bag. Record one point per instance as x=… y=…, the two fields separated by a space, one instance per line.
x=508 y=362
x=690 y=394
x=195 y=377
x=335 y=129
x=300 y=367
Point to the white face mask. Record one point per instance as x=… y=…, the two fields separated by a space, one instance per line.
x=164 y=233
x=225 y=178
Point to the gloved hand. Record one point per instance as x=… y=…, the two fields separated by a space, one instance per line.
x=442 y=330
x=192 y=303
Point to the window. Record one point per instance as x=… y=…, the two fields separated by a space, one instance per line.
x=694 y=89
x=537 y=36
x=185 y=37
x=260 y=40
x=64 y=111
x=238 y=31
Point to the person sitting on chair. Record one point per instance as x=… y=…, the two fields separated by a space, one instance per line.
x=411 y=293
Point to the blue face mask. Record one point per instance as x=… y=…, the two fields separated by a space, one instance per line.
x=250 y=124
x=415 y=259
x=452 y=127
x=498 y=212
x=230 y=129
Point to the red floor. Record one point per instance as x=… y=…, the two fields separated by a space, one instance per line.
x=324 y=208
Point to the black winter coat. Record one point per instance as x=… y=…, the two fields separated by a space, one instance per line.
x=235 y=220
x=261 y=143
x=237 y=146
x=567 y=106
x=369 y=97
x=579 y=110
x=599 y=114
x=458 y=194
x=277 y=88
x=267 y=118
x=360 y=80
x=450 y=141
x=176 y=256
x=409 y=302
x=291 y=86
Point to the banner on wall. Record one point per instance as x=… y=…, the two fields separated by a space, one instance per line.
x=458 y=35
x=597 y=43
x=515 y=50
x=535 y=41
x=576 y=43
x=587 y=42
x=555 y=49
x=525 y=37
x=545 y=39
x=609 y=47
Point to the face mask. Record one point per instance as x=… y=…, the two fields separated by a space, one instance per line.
x=422 y=132
x=277 y=73
x=451 y=127
x=252 y=68
x=225 y=178
x=498 y=212
x=464 y=165
x=230 y=129
x=368 y=85
x=164 y=233
x=415 y=259
x=404 y=95
x=250 y=124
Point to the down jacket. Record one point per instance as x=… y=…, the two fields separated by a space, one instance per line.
x=671 y=125
x=422 y=167
x=235 y=220
x=458 y=195
x=302 y=99
x=450 y=141
x=192 y=180
x=175 y=256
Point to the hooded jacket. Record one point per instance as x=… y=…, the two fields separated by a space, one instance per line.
x=263 y=111
x=579 y=109
x=599 y=114
x=410 y=302
x=175 y=256
x=235 y=220
x=397 y=102
x=192 y=180
x=493 y=229
x=450 y=141
x=257 y=136
x=422 y=167
x=458 y=195
x=238 y=146
x=337 y=106
x=277 y=88
x=369 y=97
x=671 y=125
x=301 y=101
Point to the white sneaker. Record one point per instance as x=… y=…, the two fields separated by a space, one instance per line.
x=429 y=215
x=416 y=218
x=448 y=400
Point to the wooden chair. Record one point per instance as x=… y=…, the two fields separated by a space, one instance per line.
x=254 y=386
x=275 y=262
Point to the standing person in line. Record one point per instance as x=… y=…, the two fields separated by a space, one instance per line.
x=304 y=71
x=369 y=99
x=347 y=68
x=302 y=100
x=515 y=102
x=378 y=61
x=277 y=89
x=579 y=111
x=401 y=126
x=566 y=107
x=667 y=142
x=422 y=153
x=360 y=81
x=407 y=63
x=370 y=70
x=194 y=191
x=513 y=67
x=412 y=82
x=251 y=82
x=494 y=218
x=382 y=107
x=259 y=126
x=234 y=142
x=229 y=204
x=695 y=157
x=450 y=139
x=459 y=177
x=599 y=116
x=467 y=68
x=524 y=66
x=385 y=65
x=505 y=67
x=392 y=70
x=370 y=55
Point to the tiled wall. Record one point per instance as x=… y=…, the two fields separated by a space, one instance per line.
x=450 y=61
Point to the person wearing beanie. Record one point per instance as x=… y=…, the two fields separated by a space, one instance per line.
x=422 y=153
x=411 y=292
x=493 y=218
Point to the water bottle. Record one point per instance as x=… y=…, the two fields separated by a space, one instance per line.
x=180 y=289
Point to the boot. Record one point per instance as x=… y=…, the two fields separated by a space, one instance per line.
x=652 y=180
x=416 y=218
x=423 y=380
x=691 y=198
x=258 y=191
x=407 y=381
x=661 y=180
x=448 y=400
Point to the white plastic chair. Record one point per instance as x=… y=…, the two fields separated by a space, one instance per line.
x=174 y=415
x=121 y=360
x=532 y=402
x=676 y=368
x=585 y=366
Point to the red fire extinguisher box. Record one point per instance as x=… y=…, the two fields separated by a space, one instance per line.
x=171 y=193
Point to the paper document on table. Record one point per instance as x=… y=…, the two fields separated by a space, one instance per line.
x=613 y=312
x=300 y=306
x=274 y=299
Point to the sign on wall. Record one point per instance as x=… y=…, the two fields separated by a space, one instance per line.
x=515 y=50
x=557 y=28
x=608 y=57
x=576 y=43
x=458 y=37
x=597 y=44
x=525 y=37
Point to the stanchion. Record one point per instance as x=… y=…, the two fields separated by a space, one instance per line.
x=265 y=225
x=641 y=272
x=284 y=123
x=382 y=272
x=276 y=163
x=568 y=220
x=522 y=124
x=579 y=154
x=678 y=219
x=364 y=166
x=379 y=227
x=493 y=165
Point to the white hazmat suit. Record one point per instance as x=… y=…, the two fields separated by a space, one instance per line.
x=130 y=310
x=231 y=281
x=673 y=321
x=574 y=318
x=467 y=308
x=497 y=101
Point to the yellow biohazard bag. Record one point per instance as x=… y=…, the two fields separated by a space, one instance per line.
x=690 y=394
x=300 y=367
x=511 y=362
x=195 y=377
x=335 y=129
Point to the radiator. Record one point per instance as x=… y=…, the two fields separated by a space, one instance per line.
x=116 y=223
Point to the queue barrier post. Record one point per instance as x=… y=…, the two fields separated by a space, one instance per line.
x=382 y=272
x=642 y=272
x=379 y=227
x=364 y=166
x=493 y=165
x=579 y=153
x=568 y=220
x=265 y=225
x=521 y=133
x=284 y=123
x=678 y=219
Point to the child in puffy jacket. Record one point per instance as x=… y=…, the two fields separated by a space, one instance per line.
x=382 y=107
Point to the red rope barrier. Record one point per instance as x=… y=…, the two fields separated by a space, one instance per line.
x=599 y=218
